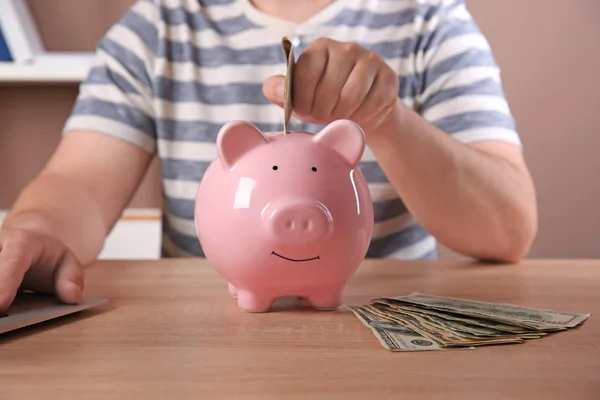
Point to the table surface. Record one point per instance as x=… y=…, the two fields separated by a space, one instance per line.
x=171 y=330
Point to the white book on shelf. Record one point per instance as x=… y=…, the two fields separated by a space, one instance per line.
x=84 y=58
x=20 y=31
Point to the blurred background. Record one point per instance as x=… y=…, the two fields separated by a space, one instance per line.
x=549 y=51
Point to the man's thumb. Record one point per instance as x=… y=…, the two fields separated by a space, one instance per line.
x=273 y=89
x=69 y=280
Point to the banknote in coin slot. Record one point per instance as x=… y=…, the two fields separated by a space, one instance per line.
x=289 y=80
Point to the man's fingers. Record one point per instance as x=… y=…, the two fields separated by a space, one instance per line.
x=356 y=88
x=309 y=70
x=273 y=89
x=341 y=62
x=14 y=262
x=69 y=280
x=39 y=263
x=381 y=97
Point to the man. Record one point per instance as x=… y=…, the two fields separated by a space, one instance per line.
x=443 y=160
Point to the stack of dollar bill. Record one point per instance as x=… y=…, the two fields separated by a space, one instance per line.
x=419 y=322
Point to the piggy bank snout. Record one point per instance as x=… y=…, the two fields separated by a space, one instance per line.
x=299 y=223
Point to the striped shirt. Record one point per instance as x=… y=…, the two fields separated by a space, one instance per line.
x=170 y=73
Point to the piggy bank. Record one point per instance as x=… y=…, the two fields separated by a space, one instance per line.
x=285 y=214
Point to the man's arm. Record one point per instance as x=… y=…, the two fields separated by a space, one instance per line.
x=81 y=192
x=60 y=221
x=477 y=199
x=457 y=162
x=109 y=141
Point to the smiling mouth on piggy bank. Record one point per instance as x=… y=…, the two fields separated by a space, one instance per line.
x=293 y=259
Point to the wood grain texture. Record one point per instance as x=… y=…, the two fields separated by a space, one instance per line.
x=170 y=330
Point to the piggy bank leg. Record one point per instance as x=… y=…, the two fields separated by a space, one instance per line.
x=232 y=291
x=252 y=302
x=327 y=300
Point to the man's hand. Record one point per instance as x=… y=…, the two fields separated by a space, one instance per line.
x=60 y=221
x=39 y=262
x=339 y=80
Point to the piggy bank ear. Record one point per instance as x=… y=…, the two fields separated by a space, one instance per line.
x=346 y=138
x=235 y=139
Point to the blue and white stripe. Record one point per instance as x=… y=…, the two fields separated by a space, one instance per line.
x=170 y=73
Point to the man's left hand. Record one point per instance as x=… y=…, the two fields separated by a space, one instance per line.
x=339 y=80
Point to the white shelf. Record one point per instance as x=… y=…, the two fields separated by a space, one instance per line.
x=48 y=68
x=41 y=73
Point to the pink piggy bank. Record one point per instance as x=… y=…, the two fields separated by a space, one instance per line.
x=282 y=215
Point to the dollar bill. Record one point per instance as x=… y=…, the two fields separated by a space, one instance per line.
x=394 y=336
x=289 y=80
x=450 y=316
x=444 y=336
x=538 y=319
x=448 y=322
x=455 y=326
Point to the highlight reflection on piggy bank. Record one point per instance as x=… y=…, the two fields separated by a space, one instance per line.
x=285 y=214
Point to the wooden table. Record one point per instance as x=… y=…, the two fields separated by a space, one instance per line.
x=171 y=331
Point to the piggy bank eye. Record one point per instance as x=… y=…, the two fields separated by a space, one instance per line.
x=314 y=169
x=275 y=167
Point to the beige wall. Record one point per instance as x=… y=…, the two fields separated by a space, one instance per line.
x=550 y=53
